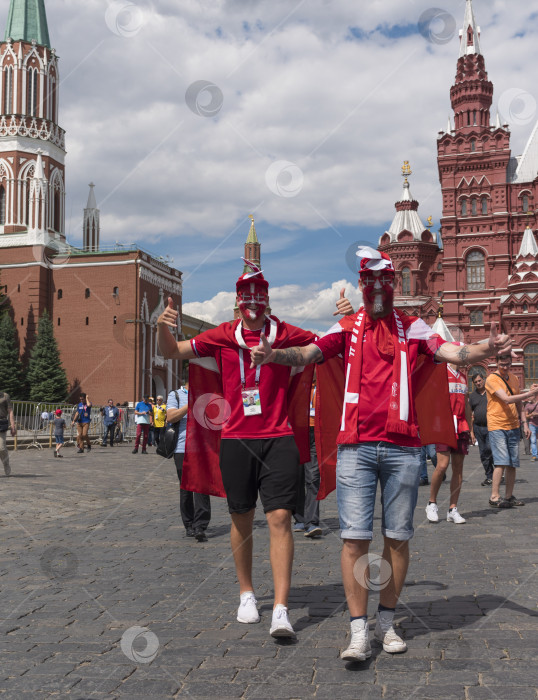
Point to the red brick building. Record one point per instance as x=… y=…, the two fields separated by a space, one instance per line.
x=486 y=267
x=103 y=304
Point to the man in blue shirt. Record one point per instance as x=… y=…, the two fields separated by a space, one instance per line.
x=83 y=418
x=110 y=419
x=195 y=507
x=143 y=413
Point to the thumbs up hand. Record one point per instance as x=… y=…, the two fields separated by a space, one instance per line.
x=169 y=315
x=343 y=305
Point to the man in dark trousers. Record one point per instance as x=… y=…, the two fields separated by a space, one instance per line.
x=478 y=401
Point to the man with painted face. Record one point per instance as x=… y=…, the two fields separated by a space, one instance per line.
x=378 y=438
x=259 y=451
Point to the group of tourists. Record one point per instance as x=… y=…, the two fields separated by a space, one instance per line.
x=384 y=369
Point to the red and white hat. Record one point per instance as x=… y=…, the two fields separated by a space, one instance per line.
x=254 y=275
x=373 y=260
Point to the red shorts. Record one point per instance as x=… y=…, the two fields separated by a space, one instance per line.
x=462 y=448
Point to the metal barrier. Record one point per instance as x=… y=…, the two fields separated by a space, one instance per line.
x=35 y=427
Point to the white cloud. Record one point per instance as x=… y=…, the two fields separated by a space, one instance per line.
x=311 y=308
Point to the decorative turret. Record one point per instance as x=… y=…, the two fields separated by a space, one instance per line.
x=525 y=272
x=407 y=225
x=91 y=226
x=27 y=21
x=472 y=93
x=252 y=246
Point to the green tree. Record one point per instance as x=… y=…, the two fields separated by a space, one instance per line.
x=11 y=369
x=46 y=376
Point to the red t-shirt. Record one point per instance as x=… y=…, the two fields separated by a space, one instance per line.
x=377 y=376
x=273 y=386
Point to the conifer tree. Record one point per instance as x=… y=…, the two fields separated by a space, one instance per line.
x=46 y=375
x=11 y=370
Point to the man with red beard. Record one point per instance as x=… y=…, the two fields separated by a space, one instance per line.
x=258 y=451
x=378 y=438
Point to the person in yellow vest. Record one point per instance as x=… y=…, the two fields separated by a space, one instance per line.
x=159 y=418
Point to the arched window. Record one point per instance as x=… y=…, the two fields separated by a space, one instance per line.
x=473 y=144
x=473 y=206
x=531 y=363
x=57 y=211
x=525 y=308
x=406 y=281
x=60 y=293
x=52 y=98
x=484 y=205
x=476 y=318
x=525 y=202
x=31 y=100
x=8 y=90
x=464 y=207
x=476 y=270
x=2 y=205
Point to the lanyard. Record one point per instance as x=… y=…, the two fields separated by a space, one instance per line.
x=242 y=370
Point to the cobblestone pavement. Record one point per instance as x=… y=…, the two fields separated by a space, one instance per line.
x=102 y=595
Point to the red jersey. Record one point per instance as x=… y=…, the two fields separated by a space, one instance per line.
x=457 y=386
x=377 y=376
x=273 y=382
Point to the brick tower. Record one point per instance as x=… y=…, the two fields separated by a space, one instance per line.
x=32 y=145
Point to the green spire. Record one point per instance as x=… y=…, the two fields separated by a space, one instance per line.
x=252 y=237
x=27 y=21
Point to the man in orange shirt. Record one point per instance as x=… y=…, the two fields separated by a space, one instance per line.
x=504 y=420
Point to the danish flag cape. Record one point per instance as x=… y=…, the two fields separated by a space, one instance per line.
x=208 y=407
x=431 y=400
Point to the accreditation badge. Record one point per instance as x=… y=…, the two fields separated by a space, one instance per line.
x=251 y=401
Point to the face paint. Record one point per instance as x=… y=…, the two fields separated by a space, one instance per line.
x=252 y=301
x=378 y=294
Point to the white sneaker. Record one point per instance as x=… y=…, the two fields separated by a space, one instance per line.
x=359 y=647
x=385 y=634
x=432 y=513
x=247 y=611
x=455 y=517
x=280 y=624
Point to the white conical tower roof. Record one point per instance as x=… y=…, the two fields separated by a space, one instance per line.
x=441 y=329
x=92 y=204
x=470 y=34
x=407 y=218
x=527 y=169
x=528 y=245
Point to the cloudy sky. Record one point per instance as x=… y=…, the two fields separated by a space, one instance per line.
x=189 y=116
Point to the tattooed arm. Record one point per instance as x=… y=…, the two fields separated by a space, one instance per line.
x=470 y=354
x=291 y=357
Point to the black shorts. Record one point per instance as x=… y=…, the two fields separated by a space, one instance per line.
x=270 y=466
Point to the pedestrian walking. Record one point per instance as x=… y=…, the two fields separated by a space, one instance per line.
x=82 y=418
x=505 y=418
x=111 y=415
x=531 y=412
x=59 y=427
x=195 y=508
x=159 y=419
x=257 y=450
x=378 y=438
x=143 y=416
x=478 y=400
x=459 y=403
x=7 y=422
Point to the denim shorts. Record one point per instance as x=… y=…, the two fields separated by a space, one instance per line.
x=505 y=447
x=358 y=469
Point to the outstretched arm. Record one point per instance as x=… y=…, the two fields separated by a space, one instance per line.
x=291 y=357
x=170 y=348
x=470 y=354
